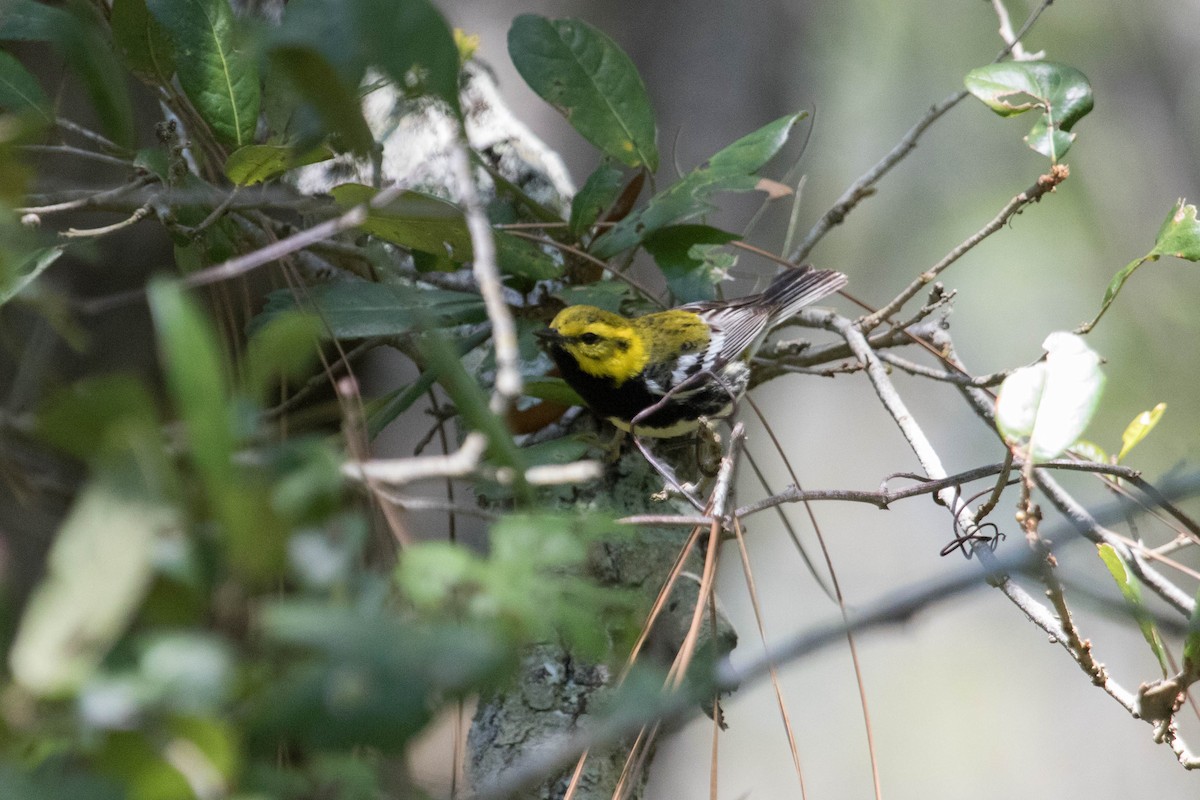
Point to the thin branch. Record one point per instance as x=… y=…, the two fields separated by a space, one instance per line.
x=864 y=186
x=91 y=199
x=133 y=219
x=77 y=152
x=1045 y=184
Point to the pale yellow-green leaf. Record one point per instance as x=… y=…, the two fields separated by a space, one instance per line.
x=1140 y=428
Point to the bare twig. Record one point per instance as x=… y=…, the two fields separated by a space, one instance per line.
x=1046 y=183
x=864 y=186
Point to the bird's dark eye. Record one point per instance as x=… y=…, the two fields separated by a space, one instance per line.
x=589 y=338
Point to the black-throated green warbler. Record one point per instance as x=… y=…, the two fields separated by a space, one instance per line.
x=659 y=373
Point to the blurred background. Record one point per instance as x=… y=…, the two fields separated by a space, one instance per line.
x=969 y=699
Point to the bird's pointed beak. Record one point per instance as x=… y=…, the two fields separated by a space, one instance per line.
x=548 y=336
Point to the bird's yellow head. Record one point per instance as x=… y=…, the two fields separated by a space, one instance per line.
x=602 y=344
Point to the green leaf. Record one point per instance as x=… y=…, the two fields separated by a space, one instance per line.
x=599 y=192
x=731 y=170
x=256 y=163
x=524 y=261
x=678 y=250
x=1131 y=590
x=198 y=386
x=1179 y=235
x=76 y=33
x=285 y=347
x=608 y=295
x=1013 y=87
x=332 y=98
x=410 y=39
x=355 y=309
x=556 y=390
x=19 y=91
x=1140 y=428
x=216 y=71
x=99 y=569
x=370 y=679
x=432 y=225
x=1089 y=451
x=381 y=412
x=144 y=45
x=1047 y=406
x=27 y=270
x=414 y=220
x=102 y=418
x=472 y=405
x=590 y=81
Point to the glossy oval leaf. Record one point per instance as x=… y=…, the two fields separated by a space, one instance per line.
x=730 y=170
x=216 y=72
x=1049 y=405
x=590 y=81
x=1062 y=93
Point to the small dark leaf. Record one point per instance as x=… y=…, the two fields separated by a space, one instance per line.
x=585 y=75
x=598 y=193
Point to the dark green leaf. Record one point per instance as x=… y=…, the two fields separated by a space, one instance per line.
x=256 y=163
x=76 y=33
x=372 y=679
x=523 y=260
x=409 y=38
x=56 y=781
x=731 y=170
x=432 y=225
x=1013 y=87
x=27 y=270
x=143 y=43
x=334 y=100
x=359 y=309
x=586 y=76
x=217 y=73
x=19 y=91
x=598 y=193
x=677 y=250
x=555 y=451
x=608 y=295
